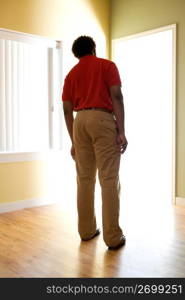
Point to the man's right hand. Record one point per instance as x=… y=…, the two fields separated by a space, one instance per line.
x=122 y=142
x=73 y=151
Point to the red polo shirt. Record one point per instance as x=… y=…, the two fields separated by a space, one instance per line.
x=88 y=83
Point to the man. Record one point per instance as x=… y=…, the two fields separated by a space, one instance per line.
x=93 y=89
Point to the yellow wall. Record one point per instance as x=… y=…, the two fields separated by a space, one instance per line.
x=23 y=180
x=63 y=20
x=60 y=19
x=134 y=16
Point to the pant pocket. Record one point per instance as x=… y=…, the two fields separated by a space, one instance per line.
x=108 y=124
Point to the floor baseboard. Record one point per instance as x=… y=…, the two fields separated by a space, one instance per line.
x=180 y=201
x=18 y=205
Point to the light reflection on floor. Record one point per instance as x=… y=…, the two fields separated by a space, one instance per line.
x=149 y=216
x=149 y=228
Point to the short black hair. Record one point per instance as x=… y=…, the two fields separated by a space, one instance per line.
x=83 y=45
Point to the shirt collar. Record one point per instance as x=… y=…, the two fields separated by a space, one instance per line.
x=86 y=56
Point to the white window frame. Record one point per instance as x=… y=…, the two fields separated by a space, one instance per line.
x=51 y=44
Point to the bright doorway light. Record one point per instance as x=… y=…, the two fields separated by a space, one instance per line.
x=146 y=67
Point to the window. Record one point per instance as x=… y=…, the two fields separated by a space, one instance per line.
x=30 y=83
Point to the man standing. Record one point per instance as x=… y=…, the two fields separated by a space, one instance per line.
x=93 y=89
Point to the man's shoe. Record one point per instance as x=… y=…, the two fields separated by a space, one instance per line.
x=121 y=243
x=96 y=233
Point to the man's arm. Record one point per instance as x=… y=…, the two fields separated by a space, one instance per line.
x=118 y=109
x=68 y=115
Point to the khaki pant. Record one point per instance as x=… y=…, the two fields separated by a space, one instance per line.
x=95 y=148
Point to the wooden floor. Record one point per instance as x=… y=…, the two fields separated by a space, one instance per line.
x=43 y=242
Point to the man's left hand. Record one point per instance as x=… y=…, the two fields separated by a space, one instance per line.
x=122 y=142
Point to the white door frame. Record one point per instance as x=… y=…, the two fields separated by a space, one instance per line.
x=173 y=27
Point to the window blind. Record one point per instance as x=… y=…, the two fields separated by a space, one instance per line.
x=29 y=91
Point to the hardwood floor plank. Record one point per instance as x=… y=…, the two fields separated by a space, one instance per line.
x=43 y=242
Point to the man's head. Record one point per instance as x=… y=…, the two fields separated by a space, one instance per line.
x=83 y=45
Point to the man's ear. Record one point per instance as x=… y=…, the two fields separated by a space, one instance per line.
x=94 y=52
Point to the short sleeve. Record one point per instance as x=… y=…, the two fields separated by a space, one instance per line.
x=66 y=93
x=112 y=76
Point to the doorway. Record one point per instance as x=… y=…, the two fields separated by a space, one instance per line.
x=146 y=63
